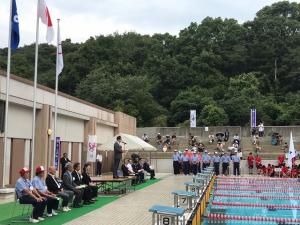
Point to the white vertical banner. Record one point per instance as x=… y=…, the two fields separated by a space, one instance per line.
x=292 y=152
x=193 y=120
x=91 y=148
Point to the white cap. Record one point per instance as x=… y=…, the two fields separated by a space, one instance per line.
x=205 y=151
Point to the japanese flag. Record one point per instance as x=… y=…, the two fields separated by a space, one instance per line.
x=44 y=14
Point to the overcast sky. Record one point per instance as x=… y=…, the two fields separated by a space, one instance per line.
x=81 y=19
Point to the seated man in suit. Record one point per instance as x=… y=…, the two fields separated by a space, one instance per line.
x=138 y=170
x=86 y=179
x=87 y=195
x=27 y=194
x=148 y=169
x=39 y=184
x=55 y=187
x=69 y=185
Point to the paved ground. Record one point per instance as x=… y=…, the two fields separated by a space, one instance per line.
x=132 y=209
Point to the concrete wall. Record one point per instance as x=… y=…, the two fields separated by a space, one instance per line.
x=20 y=121
x=201 y=133
x=181 y=132
x=104 y=133
x=126 y=123
x=76 y=120
x=69 y=128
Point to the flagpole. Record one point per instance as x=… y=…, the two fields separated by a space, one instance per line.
x=7 y=94
x=56 y=93
x=34 y=89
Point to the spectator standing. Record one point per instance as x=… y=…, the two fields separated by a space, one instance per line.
x=250 y=160
x=206 y=160
x=216 y=160
x=261 y=129
x=63 y=161
x=176 y=161
x=258 y=163
x=159 y=142
x=226 y=135
x=98 y=164
x=199 y=162
x=225 y=159
x=186 y=162
x=194 y=163
x=236 y=164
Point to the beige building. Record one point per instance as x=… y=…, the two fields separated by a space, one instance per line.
x=76 y=120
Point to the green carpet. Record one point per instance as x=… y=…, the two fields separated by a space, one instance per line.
x=61 y=218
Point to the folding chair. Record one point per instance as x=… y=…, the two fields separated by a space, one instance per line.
x=26 y=209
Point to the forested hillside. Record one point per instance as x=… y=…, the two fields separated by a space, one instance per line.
x=219 y=67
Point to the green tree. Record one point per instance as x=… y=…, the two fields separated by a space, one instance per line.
x=213 y=115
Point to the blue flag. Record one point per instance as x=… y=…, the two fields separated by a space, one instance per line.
x=15 y=36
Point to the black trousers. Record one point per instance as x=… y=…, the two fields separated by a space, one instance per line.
x=94 y=190
x=38 y=207
x=116 y=166
x=236 y=168
x=199 y=167
x=98 y=167
x=52 y=203
x=152 y=173
x=194 y=168
x=225 y=168
x=78 y=193
x=186 y=167
x=176 y=167
x=63 y=170
x=217 y=168
x=204 y=165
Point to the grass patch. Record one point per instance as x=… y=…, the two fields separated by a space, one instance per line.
x=6 y=209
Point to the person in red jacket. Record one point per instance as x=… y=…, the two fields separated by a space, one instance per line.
x=284 y=171
x=250 y=160
x=294 y=172
x=281 y=159
x=258 y=163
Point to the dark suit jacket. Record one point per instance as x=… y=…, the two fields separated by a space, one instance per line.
x=52 y=185
x=68 y=182
x=77 y=178
x=63 y=162
x=117 y=150
x=136 y=167
x=86 y=179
